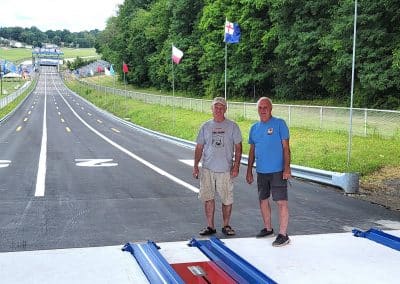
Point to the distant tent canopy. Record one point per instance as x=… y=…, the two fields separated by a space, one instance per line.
x=12 y=75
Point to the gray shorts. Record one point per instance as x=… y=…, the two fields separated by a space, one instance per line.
x=210 y=182
x=274 y=184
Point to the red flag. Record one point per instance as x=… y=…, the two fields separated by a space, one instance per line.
x=125 y=68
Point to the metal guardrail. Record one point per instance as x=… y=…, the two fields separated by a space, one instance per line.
x=349 y=182
x=8 y=99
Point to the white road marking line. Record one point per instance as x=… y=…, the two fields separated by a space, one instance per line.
x=25 y=119
x=188 y=162
x=4 y=163
x=41 y=175
x=95 y=163
x=18 y=128
x=132 y=155
x=68 y=129
x=99 y=121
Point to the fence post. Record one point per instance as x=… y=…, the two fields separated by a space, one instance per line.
x=320 y=117
x=365 y=122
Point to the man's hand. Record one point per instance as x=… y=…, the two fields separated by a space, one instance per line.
x=287 y=174
x=234 y=172
x=249 y=177
x=196 y=172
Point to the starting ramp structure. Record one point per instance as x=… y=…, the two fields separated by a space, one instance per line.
x=321 y=258
x=47 y=57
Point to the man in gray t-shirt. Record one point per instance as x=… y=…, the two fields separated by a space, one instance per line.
x=218 y=142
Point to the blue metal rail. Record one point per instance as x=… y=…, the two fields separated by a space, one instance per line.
x=233 y=264
x=154 y=265
x=380 y=237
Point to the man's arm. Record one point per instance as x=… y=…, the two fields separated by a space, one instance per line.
x=287 y=173
x=238 y=158
x=198 y=152
x=250 y=163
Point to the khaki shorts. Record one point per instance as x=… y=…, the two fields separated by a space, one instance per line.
x=210 y=182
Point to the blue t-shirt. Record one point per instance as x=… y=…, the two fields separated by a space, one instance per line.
x=267 y=138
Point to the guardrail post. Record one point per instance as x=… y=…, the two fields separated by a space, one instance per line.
x=348 y=181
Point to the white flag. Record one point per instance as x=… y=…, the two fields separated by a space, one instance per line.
x=177 y=54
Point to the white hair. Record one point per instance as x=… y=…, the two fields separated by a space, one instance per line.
x=264 y=98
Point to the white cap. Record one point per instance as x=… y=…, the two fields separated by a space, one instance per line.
x=219 y=100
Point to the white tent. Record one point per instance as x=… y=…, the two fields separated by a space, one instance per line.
x=12 y=75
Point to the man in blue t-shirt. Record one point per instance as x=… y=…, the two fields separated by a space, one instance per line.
x=269 y=147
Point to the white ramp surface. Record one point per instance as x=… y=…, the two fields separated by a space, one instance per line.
x=325 y=258
x=330 y=258
x=79 y=265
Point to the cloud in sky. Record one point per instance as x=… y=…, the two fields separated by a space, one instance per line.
x=73 y=15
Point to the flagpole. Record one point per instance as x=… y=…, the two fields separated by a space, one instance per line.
x=352 y=84
x=226 y=64
x=226 y=56
x=173 y=91
x=126 y=98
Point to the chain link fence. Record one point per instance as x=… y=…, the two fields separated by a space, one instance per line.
x=385 y=123
x=8 y=99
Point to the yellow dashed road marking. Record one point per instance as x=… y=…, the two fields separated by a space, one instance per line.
x=115 y=130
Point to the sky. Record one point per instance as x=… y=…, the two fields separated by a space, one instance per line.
x=73 y=15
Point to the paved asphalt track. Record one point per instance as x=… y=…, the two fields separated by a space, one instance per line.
x=87 y=180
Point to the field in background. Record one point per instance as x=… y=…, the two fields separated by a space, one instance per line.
x=18 y=55
x=10 y=86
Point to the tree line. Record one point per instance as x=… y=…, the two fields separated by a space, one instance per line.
x=35 y=37
x=289 y=49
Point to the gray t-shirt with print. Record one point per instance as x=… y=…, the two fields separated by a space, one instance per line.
x=219 y=139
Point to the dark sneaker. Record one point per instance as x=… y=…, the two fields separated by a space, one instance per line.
x=281 y=240
x=265 y=233
x=207 y=231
